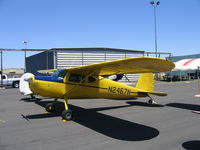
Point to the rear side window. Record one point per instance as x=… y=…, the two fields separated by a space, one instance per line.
x=91 y=79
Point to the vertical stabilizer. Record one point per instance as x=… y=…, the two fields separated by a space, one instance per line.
x=146 y=82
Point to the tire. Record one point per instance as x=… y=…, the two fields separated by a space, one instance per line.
x=150 y=101
x=32 y=96
x=50 y=107
x=16 y=84
x=67 y=115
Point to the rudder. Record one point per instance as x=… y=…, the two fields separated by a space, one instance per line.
x=146 y=82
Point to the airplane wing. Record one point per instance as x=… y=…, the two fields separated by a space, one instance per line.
x=125 y=66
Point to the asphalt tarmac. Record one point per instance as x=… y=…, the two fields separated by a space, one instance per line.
x=103 y=124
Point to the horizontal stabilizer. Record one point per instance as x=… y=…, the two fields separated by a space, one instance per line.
x=158 y=93
x=153 y=93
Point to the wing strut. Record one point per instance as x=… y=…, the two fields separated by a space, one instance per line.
x=67 y=113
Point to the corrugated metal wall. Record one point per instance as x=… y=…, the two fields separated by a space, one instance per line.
x=43 y=60
x=66 y=58
x=177 y=58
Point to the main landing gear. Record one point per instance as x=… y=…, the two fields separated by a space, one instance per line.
x=66 y=114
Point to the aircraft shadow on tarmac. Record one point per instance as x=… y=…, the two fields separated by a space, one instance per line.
x=191 y=145
x=184 y=106
x=137 y=103
x=107 y=125
x=30 y=99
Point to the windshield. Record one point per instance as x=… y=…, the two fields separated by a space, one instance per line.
x=60 y=73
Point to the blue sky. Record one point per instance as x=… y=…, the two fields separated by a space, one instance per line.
x=125 y=24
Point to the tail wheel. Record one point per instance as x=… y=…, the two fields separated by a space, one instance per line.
x=50 y=107
x=32 y=96
x=150 y=101
x=67 y=115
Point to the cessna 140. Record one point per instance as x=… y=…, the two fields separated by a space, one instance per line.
x=87 y=81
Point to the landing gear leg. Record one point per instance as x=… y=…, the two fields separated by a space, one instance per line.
x=67 y=113
x=50 y=107
x=151 y=101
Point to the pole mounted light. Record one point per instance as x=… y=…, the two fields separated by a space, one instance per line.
x=155 y=4
x=1 y=69
x=25 y=43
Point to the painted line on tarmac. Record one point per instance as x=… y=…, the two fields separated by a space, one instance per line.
x=2 y=121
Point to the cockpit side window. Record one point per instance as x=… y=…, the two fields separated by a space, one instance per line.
x=60 y=73
x=76 y=78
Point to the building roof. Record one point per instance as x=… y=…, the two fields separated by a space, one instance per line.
x=98 y=49
x=177 y=58
x=188 y=64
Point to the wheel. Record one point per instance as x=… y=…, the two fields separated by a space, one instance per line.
x=50 y=107
x=32 y=96
x=15 y=84
x=150 y=101
x=67 y=115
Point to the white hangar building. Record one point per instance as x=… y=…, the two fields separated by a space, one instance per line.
x=58 y=58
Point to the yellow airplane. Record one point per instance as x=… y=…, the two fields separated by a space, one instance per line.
x=87 y=81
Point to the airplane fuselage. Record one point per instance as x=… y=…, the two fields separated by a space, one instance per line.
x=90 y=87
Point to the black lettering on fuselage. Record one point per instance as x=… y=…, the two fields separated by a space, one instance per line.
x=116 y=90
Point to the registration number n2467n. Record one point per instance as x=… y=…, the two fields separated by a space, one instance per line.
x=123 y=91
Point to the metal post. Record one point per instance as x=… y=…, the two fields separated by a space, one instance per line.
x=189 y=75
x=198 y=80
x=82 y=57
x=47 y=61
x=170 y=56
x=156 y=49
x=198 y=94
x=25 y=43
x=171 y=76
x=155 y=26
x=1 y=69
x=55 y=60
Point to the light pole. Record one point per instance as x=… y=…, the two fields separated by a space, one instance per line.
x=25 y=43
x=155 y=4
x=1 y=69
